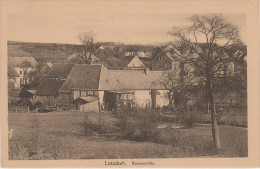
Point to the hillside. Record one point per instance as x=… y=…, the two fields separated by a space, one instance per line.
x=112 y=56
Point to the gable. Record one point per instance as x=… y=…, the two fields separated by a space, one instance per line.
x=162 y=57
x=136 y=62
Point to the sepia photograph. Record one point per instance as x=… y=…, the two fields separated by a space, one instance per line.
x=90 y=82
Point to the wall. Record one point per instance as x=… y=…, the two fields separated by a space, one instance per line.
x=101 y=98
x=136 y=62
x=46 y=100
x=162 y=99
x=64 y=99
x=161 y=63
x=143 y=98
x=93 y=106
x=18 y=69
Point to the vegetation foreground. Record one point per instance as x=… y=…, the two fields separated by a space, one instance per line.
x=68 y=135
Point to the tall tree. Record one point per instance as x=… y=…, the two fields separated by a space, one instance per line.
x=25 y=66
x=207 y=38
x=87 y=47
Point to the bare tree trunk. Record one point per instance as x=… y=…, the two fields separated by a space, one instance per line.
x=211 y=98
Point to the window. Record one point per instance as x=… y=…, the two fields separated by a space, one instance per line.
x=90 y=93
x=127 y=96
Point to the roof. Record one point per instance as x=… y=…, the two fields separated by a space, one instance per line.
x=49 y=87
x=127 y=59
x=59 y=70
x=32 y=91
x=86 y=99
x=98 y=77
x=130 y=80
x=17 y=61
x=12 y=72
x=82 y=76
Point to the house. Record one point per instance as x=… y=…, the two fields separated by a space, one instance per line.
x=135 y=63
x=134 y=88
x=95 y=88
x=47 y=92
x=143 y=54
x=132 y=62
x=13 y=77
x=101 y=47
x=163 y=62
x=170 y=56
x=22 y=65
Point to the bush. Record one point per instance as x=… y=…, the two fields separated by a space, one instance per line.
x=93 y=128
x=185 y=118
x=126 y=126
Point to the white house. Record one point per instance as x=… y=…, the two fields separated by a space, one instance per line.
x=13 y=77
x=94 y=87
x=142 y=54
x=22 y=66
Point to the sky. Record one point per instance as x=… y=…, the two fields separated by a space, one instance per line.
x=117 y=21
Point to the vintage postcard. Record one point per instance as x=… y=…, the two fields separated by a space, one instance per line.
x=130 y=84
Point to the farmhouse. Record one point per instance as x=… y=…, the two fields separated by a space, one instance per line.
x=13 y=78
x=22 y=66
x=95 y=88
x=47 y=91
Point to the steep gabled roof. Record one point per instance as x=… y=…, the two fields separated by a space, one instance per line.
x=53 y=81
x=82 y=76
x=59 y=70
x=17 y=61
x=49 y=87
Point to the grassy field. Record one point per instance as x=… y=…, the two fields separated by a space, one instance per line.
x=60 y=135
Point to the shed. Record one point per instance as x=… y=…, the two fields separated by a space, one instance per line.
x=88 y=103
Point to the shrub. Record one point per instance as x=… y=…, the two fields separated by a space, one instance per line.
x=101 y=127
x=126 y=126
x=185 y=118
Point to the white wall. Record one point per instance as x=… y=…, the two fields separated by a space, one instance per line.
x=143 y=98
x=136 y=62
x=18 y=70
x=162 y=99
x=93 y=106
x=101 y=97
x=76 y=94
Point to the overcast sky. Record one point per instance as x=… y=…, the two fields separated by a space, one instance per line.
x=117 y=21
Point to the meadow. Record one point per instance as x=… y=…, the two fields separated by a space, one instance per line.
x=62 y=135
